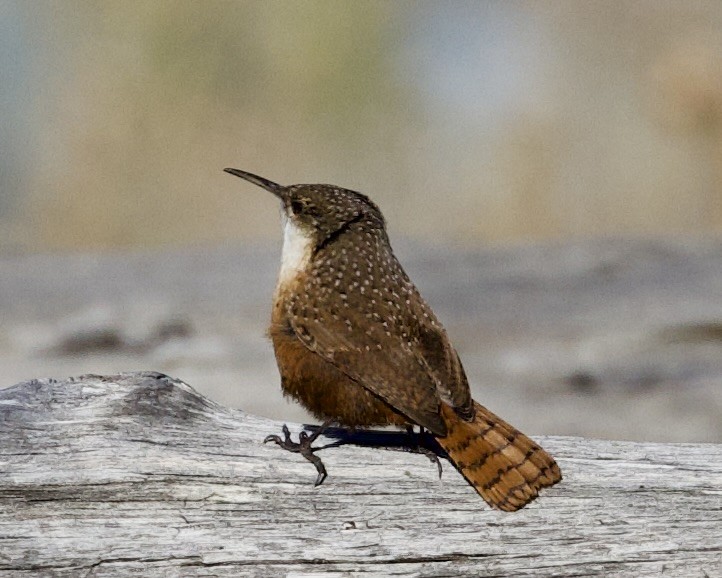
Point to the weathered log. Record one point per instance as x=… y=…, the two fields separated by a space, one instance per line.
x=137 y=474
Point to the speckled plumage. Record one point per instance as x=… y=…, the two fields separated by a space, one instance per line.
x=355 y=342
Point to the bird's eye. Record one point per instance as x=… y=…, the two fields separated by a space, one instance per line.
x=296 y=207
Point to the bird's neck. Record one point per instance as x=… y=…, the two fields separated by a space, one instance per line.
x=296 y=253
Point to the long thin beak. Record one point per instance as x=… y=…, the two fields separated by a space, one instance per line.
x=270 y=186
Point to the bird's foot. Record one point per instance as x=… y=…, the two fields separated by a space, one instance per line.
x=417 y=446
x=303 y=447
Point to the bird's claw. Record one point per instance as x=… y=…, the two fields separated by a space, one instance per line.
x=434 y=460
x=286 y=443
x=303 y=447
x=417 y=446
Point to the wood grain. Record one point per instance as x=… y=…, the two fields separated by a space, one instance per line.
x=137 y=474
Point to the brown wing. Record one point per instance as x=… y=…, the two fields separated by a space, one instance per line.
x=443 y=362
x=373 y=325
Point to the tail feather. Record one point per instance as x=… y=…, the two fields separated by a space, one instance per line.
x=505 y=467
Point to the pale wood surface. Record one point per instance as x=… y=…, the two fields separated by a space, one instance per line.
x=137 y=474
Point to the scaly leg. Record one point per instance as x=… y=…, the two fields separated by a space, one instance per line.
x=303 y=447
x=416 y=446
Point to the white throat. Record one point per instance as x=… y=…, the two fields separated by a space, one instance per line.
x=296 y=252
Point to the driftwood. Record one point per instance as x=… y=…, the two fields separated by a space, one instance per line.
x=137 y=474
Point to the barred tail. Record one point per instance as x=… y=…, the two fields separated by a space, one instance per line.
x=505 y=467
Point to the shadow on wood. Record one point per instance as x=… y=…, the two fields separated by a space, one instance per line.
x=138 y=474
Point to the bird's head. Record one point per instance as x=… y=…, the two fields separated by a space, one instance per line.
x=319 y=212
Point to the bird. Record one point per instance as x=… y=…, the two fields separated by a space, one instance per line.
x=357 y=346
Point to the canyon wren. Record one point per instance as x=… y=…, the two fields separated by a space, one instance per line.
x=357 y=345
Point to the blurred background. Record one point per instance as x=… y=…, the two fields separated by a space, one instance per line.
x=551 y=172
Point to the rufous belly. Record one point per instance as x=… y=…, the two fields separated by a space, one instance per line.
x=324 y=390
